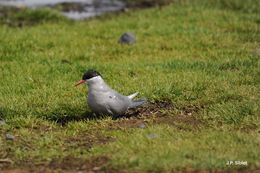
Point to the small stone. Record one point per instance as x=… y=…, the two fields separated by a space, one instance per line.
x=256 y=51
x=142 y=126
x=9 y=137
x=127 y=38
x=152 y=136
x=2 y=122
x=83 y=167
x=96 y=169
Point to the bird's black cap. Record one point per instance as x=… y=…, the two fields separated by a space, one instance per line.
x=90 y=74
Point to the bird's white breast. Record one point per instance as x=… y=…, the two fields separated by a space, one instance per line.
x=98 y=94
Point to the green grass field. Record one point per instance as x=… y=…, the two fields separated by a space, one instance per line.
x=196 y=62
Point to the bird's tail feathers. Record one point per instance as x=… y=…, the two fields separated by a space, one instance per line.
x=133 y=95
x=136 y=103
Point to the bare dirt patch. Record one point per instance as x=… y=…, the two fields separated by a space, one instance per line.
x=70 y=164
x=160 y=112
x=88 y=141
x=151 y=108
x=67 y=164
x=79 y=164
x=248 y=128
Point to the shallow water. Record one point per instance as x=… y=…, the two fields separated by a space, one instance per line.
x=73 y=9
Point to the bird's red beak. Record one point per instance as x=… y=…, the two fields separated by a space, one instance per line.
x=80 y=82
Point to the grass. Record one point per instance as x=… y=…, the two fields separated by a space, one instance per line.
x=198 y=56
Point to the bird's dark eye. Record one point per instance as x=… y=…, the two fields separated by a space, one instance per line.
x=90 y=74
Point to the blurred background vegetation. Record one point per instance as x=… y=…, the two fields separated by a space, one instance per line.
x=22 y=16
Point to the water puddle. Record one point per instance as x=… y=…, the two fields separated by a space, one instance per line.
x=73 y=9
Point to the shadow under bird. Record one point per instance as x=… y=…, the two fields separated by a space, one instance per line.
x=104 y=100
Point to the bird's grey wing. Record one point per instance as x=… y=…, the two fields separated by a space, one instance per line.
x=117 y=103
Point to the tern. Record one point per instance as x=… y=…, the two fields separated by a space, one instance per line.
x=103 y=100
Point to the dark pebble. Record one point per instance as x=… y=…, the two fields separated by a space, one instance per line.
x=152 y=136
x=2 y=122
x=127 y=38
x=256 y=51
x=9 y=137
x=142 y=126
